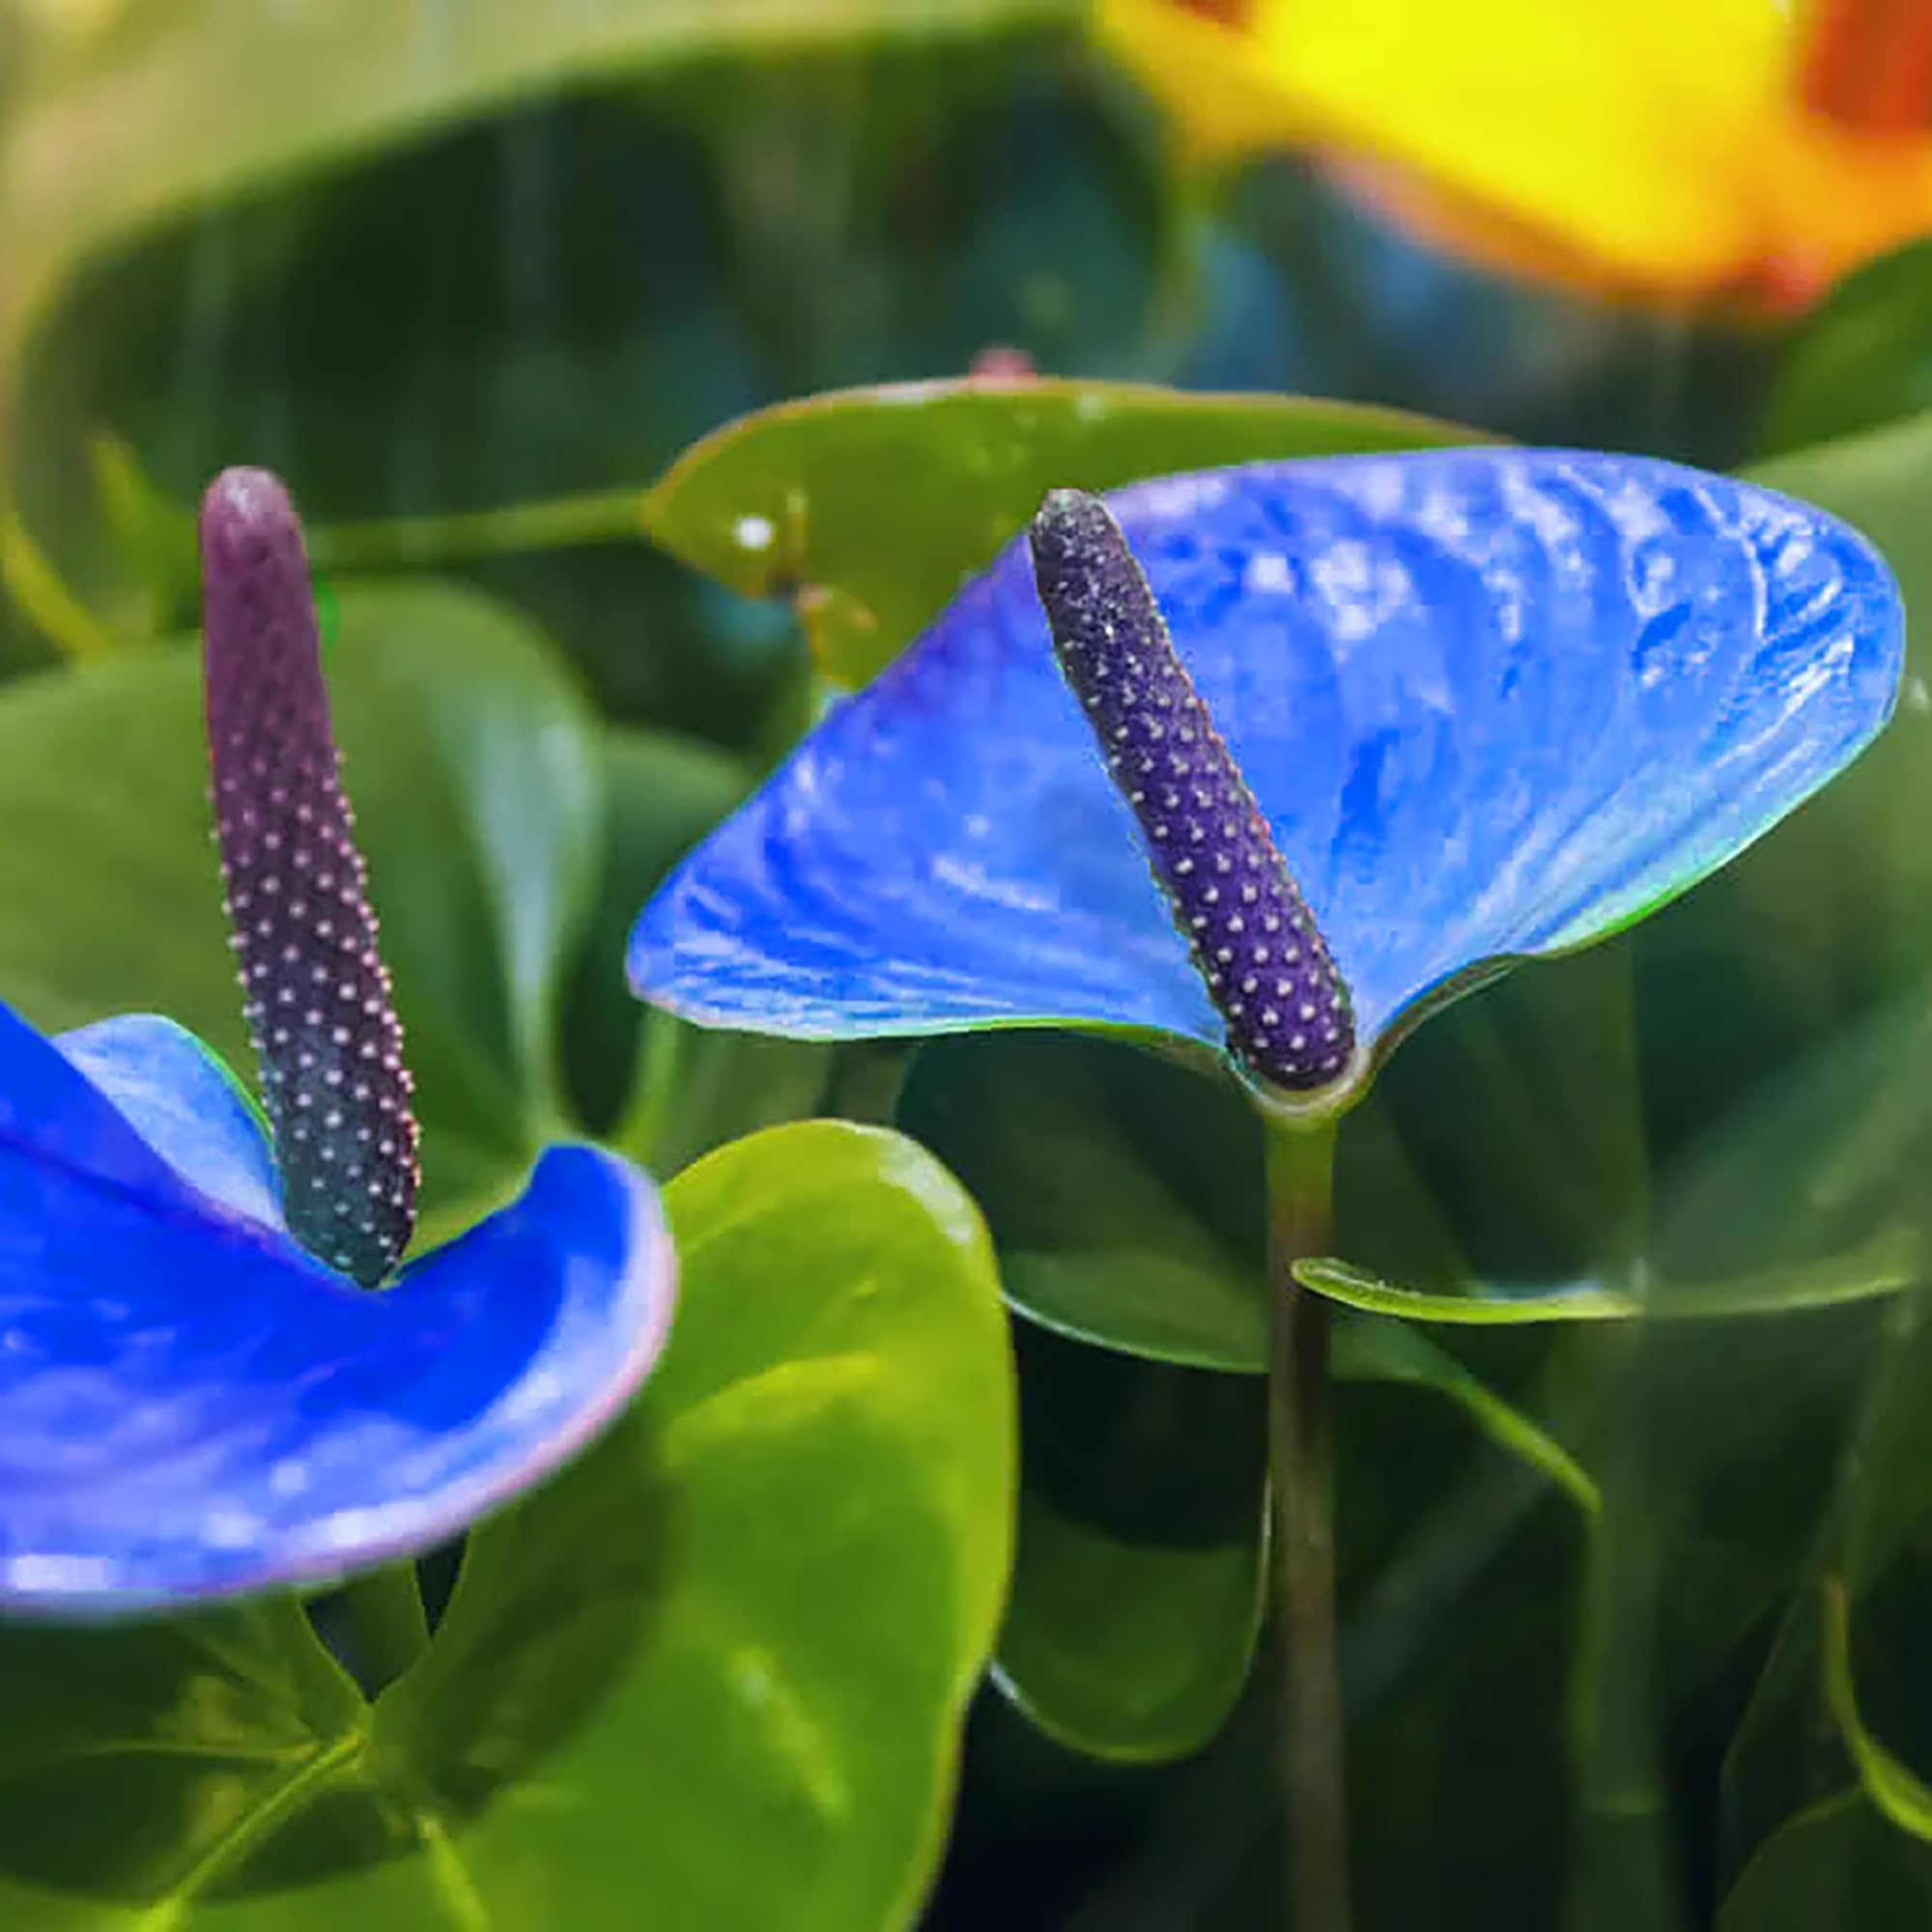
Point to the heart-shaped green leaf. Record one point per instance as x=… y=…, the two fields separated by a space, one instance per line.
x=1099 y=1238
x=1126 y=1650
x=1123 y=1195
x=715 y=1671
x=472 y=762
x=1837 y=1864
x=1139 y=1581
x=873 y=505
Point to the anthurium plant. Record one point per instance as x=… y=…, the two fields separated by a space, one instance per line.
x=964 y=966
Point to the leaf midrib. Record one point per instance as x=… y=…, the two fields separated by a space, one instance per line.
x=229 y=1848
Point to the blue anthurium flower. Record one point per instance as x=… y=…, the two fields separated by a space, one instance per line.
x=190 y=1403
x=199 y=1392
x=1489 y=703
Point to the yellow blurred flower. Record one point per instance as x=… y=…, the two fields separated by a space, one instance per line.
x=1685 y=151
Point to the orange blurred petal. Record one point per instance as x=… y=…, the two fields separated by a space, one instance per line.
x=1866 y=65
x=1671 y=150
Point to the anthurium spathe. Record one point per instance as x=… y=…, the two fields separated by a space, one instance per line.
x=1735 y=150
x=1490 y=704
x=191 y=1405
x=212 y=1376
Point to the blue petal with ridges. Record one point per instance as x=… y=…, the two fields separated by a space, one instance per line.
x=1493 y=704
x=185 y=1105
x=192 y=1406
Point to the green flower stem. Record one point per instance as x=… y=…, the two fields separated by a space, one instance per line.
x=558 y=523
x=661 y=1047
x=387 y=1620
x=1300 y=1184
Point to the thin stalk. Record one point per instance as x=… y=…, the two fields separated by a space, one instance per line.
x=387 y=1622
x=1300 y=1180
x=661 y=1047
x=559 y=523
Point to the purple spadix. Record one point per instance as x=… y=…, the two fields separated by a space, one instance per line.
x=319 y=1003
x=1250 y=932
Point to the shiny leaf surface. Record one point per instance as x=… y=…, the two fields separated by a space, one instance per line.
x=1126 y=1650
x=1140 y=1581
x=873 y=506
x=1102 y=1237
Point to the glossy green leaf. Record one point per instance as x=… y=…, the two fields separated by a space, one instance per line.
x=1887 y=1264
x=873 y=505
x=1130 y=1651
x=718 y=1666
x=1139 y=1580
x=1838 y=1866
x=187 y=1734
x=1059 y=1137
x=790 y=1562
x=470 y=760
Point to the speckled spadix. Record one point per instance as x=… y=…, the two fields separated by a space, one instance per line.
x=319 y=1001
x=1492 y=703
x=1247 y=928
